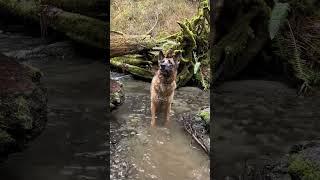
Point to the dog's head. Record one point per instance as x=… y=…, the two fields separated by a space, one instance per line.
x=169 y=64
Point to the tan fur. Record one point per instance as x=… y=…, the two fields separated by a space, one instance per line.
x=162 y=92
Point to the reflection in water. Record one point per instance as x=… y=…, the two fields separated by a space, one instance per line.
x=159 y=153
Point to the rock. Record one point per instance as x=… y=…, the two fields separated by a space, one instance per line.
x=116 y=94
x=23 y=105
x=302 y=162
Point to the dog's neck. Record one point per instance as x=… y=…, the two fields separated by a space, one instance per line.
x=166 y=80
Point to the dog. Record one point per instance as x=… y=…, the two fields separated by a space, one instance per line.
x=163 y=86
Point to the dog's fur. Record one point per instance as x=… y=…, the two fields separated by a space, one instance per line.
x=163 y=86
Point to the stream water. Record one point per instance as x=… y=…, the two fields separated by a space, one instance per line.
x=72 y=147
x=257 y=121
x=140 y=152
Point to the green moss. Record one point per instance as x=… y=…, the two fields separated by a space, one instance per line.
x=305 y=169
x=22 y=114
x=5 y=139
x=205 y=116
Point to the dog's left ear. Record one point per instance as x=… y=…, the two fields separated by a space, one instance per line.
x=161 y=56
x=177 y=58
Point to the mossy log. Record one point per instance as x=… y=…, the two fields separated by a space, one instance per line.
x=23 y=105
x=135 y=70
x=121 y=44
x=77 y=27
x=92 y=8
x=133 y=60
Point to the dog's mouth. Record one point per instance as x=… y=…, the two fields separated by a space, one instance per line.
x=165 y=72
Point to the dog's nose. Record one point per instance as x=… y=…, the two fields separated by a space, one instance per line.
x=162 y=66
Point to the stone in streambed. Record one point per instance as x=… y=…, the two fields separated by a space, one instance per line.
x=23 y=105
x=116 y=94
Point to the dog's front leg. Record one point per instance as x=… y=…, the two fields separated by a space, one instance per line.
x=153 y=113
x=167 y=114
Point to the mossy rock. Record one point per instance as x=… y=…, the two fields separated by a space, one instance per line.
x=302 y=168
x=23 y=105
x=205 y=115
x=302 y=163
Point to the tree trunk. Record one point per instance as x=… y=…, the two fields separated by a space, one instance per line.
x=77 y=27
x=121 y=44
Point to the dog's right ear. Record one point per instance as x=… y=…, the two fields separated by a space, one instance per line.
x=161 y=56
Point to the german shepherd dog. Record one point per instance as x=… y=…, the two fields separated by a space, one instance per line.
x=163 y=86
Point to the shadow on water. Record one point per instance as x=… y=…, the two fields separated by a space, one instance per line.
x=73 y=144
x=159 y=153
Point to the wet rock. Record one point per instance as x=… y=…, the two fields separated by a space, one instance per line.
x=116 y=94
x=23 y=105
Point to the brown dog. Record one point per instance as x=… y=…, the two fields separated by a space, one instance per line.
x=163 y=86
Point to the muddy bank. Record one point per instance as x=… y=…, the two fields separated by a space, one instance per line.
x=23 y=105
x=138 y=152
x=73 y=144
x=257 y=120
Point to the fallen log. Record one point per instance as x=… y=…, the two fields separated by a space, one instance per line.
x=135 y=70
x=121 y=44
x=92 y=8
x=77 y=27
x=133 y=60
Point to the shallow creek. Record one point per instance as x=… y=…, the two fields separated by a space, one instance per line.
x=140 y=152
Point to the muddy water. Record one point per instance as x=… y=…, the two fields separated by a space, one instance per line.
x=73 y=144
x=160 y=153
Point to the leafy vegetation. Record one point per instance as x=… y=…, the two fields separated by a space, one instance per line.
x=299 y=41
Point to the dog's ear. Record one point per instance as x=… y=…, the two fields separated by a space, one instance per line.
x=177 y=58
x=161 y=56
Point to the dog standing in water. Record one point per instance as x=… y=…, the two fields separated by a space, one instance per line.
x=163 y=86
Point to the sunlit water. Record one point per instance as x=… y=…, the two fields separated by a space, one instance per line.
x=160 y=153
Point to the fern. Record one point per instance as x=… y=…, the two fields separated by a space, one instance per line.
x=278 y=16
